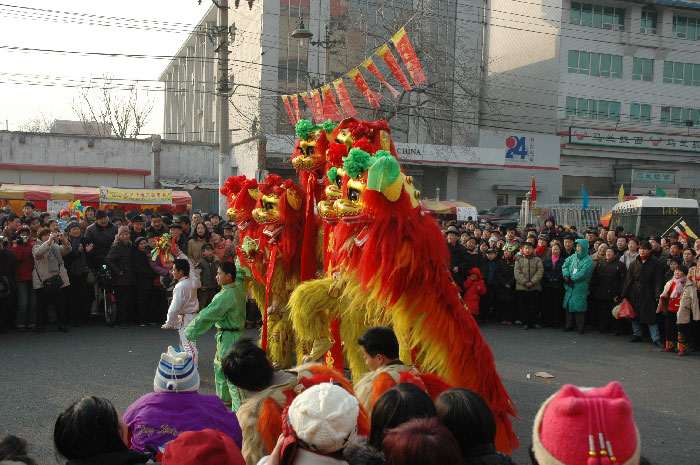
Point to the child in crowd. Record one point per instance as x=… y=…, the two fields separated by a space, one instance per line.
x=207 y=266
x=669 y=304
x=185 y=305
x=474 y=288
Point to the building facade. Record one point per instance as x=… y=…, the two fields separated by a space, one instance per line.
x=619 y=81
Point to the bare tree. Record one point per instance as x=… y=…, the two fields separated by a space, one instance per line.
x=104 y=106
x=38 y=123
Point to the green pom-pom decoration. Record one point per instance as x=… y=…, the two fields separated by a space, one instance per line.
x=356 y=162
x=329 y=125
x=303 y=129
x=381 y=153
x=332 y=175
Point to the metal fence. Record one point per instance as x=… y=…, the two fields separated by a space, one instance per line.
x=565 y=214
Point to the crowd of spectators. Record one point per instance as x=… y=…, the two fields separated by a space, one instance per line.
x=552 y=277
x=49 y=264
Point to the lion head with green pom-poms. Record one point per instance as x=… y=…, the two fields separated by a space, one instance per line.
x=311 y=145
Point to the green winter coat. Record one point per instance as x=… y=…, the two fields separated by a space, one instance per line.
x=579 y=269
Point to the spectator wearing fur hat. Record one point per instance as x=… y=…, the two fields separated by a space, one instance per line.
x=468 y=417
x=474 y=288
x=319 y=424
x=582 y=426
x=643 y=285
x=121 y=262
x=76 y=264
x=175 y=407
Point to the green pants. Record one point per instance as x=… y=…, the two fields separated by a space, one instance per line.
x=228 y=392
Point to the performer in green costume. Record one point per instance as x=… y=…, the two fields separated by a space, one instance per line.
x=227 y=312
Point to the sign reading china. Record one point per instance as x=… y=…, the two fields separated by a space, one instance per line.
x=614 y=138
x=136 y=196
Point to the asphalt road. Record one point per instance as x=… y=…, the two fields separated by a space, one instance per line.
x=40 y=375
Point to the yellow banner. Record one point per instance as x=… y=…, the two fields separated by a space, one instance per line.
x=137 y=196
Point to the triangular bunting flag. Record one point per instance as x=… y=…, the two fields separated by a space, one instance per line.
x=295 y=104
x=385 y=54
x=372 y=97
x=317 y=106
x=285 y=99
x=330 y=107
x=344 y=98
x=408 y=55
x=372 y=68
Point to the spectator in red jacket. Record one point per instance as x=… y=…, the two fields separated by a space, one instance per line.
x=24 y=266
x=474 y=288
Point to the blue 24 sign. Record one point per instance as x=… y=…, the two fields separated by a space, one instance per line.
x=516 y=147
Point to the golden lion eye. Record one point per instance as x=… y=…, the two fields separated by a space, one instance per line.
x=269 y=206
x=338 y=181
x=301 y=150
x=310 y=151
x=353 y=195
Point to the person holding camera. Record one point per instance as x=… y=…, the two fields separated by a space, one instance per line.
x=24 y=268
x=50 y=277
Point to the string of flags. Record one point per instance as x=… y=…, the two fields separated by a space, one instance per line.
x=322 y=101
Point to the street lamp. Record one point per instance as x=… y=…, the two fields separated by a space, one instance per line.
x=326 y=43
x=302 y=32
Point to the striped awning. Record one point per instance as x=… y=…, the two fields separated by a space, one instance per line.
x=70 y=193
x=443 y=206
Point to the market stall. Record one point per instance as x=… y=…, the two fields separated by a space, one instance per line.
x=56 y=198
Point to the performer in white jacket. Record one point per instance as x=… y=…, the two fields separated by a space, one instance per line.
x=184 y=306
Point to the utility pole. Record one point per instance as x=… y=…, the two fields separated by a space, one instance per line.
x=223 y=94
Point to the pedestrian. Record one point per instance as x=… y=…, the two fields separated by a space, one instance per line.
x=421 y=441
x=669 y=304
x=200 y=236
x=488 y=269
x=474 y=288
x=504 y=294
x=63 y=219
x=577 y=271
x=630 y=255
x=227 y=313
x=176 y=403
x=137 y=228
x=76 y=264
x=470 y=420
x=12 y=224
x=145 y=276
x=223 y=248
x=28 y=212
x=549 y=229
x=101 y=234
x=606 y=288
x=120 y=260
x=689 y=258
x=92 y=432
x=157 y=227
x=553 y=289
x=542 y=250
x=458 y=256
x=528 y=276
x=48 y=263
x=7 y=263
x=24 y=269
x=207 y=267
x=643 y=285
x=688 y=310
x=177 y=235
x=185 y=305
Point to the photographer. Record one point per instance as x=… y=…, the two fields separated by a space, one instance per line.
x=22 y=247
x=48 y=263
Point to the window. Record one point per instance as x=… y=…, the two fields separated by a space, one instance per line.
x=603 y=17
x=648 y=22
x=643 y=69
x=678 y=116
x=676 y=72
x=640 y=112
x=592 y=109
x=595 y=64
x=686 y=28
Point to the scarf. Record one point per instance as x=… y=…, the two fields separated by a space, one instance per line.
x=541 y=249
x=678 y=287
x=555 y=259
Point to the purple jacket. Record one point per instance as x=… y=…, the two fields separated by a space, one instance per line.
x=159 y=417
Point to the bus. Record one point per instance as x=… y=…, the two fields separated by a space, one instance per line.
x=647 y=216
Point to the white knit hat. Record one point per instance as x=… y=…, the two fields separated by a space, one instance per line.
x=176 y=372
x=325 y=417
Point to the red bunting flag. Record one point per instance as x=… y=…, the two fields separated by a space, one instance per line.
x=305 y=96
x=289 y=109
x=533 y=191
x=385 y=53
x=295 y=104
x=344 y=98
x=372 y=68
x=317 y=108
x=408 y=55
x=330 y=106
x=372 y=97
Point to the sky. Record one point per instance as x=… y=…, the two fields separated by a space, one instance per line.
x=144 y=33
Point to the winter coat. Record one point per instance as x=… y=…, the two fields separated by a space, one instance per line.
x=458 y=258
x=207 y=275
x=628 y=258
x=122 y=457
x=608 y=279
x=642 y=287
x=24 y=261
x=505 y=275
x=158 y=232
x=76 y=260
x=194 y=248
x=135 y=235
x=528 y=270
x=485 y=454
x=553 y=278
x=579 y=269
x=120 y=260
x=41 y=263
x=473 y=290
x=143 y=272
x=102 y=239
x=688 y=309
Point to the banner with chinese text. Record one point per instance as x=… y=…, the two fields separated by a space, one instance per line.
x=630 y=139
x=136 y=196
